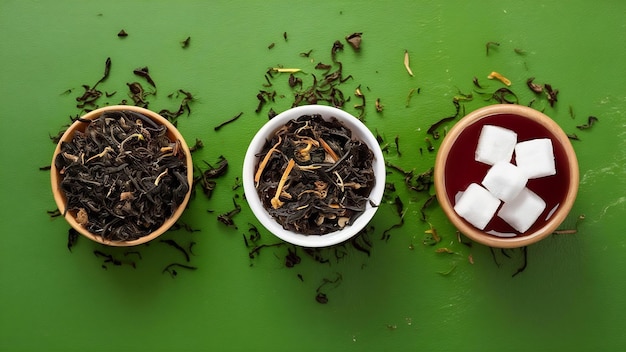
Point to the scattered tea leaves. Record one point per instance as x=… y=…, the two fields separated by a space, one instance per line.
x=505 y=96
x=227 y=218
x=292 y=258
x=122 y=34
x=321 y=297
x=196 y=146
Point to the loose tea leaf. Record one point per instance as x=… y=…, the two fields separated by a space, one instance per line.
x=122 y=34
x=234 y=118
x=185 y=43
x=475 y=80
x=489 y=45
x=178 y=247
x=432 y=130
x=313 y=178
x=354 y=40
x=505 y=96
x=537 y=88
x=379 y=106
x=145 y=73
x=212 y=172
x=551 y=94
x=123 y=175
x=227 y=218
x=590 y=121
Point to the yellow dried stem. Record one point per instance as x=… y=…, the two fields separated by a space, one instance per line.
x=501 y=78
x=276 y=203
x=406 y=63
x=329 y=150
x=100 y=155
x=259 y=171
x=286 y=70
x=158 y=179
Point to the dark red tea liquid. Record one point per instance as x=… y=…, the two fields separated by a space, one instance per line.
x=461 y=169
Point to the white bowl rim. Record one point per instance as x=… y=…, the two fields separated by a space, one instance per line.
x=359 y=131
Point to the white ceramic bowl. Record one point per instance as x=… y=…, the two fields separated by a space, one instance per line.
x=359 y=131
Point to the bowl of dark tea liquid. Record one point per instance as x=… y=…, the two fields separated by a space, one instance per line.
x=314 y=175
x=121 y=175
x=506 y=175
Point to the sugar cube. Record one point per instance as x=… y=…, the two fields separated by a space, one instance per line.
x=505 y=180
x=477 y=206
x=495 y=144
x=535 y=157
x=523 y=211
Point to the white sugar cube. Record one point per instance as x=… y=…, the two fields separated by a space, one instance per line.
x=505 y=180
x=495 y=144
x=535 y=157
x=523 y=211
x=477 y=206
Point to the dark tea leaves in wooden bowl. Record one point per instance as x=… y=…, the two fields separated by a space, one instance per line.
x=122 y=176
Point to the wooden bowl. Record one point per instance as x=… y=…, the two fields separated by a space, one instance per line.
x=455 y=169
x=56 y=177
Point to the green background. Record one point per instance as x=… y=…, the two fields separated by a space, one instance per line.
x=570 y=297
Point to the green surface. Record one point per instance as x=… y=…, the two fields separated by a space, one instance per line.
x=570 y=297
